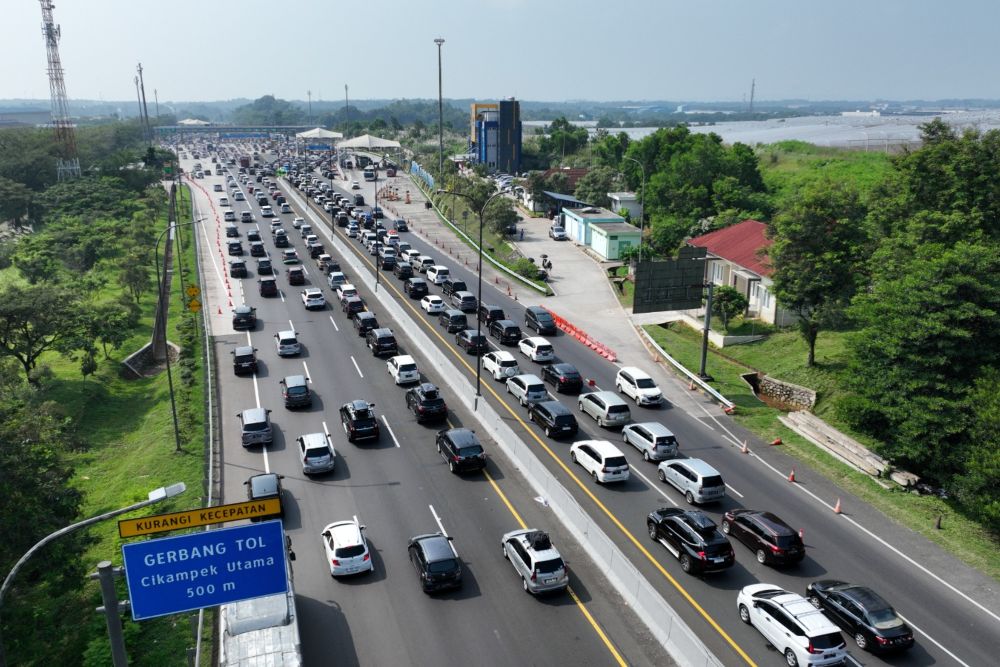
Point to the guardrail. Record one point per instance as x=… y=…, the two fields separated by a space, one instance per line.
x=727 y=405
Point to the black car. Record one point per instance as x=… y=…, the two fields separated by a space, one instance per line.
x=381 y=341
x=235 y=248
x=490 y=313
x=264 y=486
x=426 y=402
x=244 y=359
x=505 y=331
x=415 y=287
x=692 y=537
x=564 y=377
x=358 y=420
x=539 y=319
x=315 y=250
x=453 y=320
x=296 y=275
x=472 y=341
x=451 y=286
x=555 y=418
x=257 y=249
x=352 y=305
x=267 y=287
x=402 y=271
x=264 y=267
x=365 y=322
x=253 y=235
x=771 y=539
x=437 y=565
x=295 y=391
x=244 y=317
x=461 y=449
x=237 y=268
x=400 y=225
x=863 y=613
x=281 y=241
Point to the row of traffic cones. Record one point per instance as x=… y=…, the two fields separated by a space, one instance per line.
x=744 y=449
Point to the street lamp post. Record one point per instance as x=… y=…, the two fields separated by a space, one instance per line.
x=479 y=322
x=439 y=41
x=114 y=621
x=642 y=198
x=375 y=225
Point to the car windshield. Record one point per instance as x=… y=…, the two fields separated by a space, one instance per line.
x=264 y=485
x=441 y=566
x=349 y=552
x=244 y=357
x=885 y=619
x=549 y=566
x=543 y=349
x=645 y=383
x=713 y=480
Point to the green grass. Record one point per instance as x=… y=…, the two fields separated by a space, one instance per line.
x=783 y=356
x=788 y=165
x=626 y=296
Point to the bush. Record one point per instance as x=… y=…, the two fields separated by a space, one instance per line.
x=525 y=267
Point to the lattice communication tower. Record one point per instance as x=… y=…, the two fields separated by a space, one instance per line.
x=68 y=165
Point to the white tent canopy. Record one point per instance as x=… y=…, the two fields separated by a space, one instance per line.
x=319 y=133
x=369 y=142
x=193 y=121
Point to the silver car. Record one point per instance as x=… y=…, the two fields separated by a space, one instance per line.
x=606 y=407
x=535 y=560
x=317 y=453
x=654 y=440
x=527 y=389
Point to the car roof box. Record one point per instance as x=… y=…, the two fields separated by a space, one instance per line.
x=539 y=540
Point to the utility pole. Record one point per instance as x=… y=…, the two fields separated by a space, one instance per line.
x=145 y=111
x=439 y=41
x=310 y=94
x=347 y=114
x=753 y=89
x=138 y=100
x=156 y=98
x=68 y=163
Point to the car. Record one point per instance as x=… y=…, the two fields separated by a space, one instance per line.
x=402 y=369
x=527 y=389
x=255 y=427
x=697 y=480
x=381 y=341
x=557 y=233
x=287 y=343
x=364 y=322
x=265 y=210
x=327 y=264
x=465 y=301
x=296 y=275
x=257 y=248
x=217 y=187
x=555 y=418
x=351 y=305
x=693 y=539
x=264 y=267
x=346 y=290
x=415 y=287
x=281 y=239
x=426 y=402
x=346 y=548
x=387 y=258
x=315 y=249
x=654 y=440
x=244 y=317
x=436 y=562
x=352 y=230
x=453 y=320
x=772 y=540
x=289 y=256
x=505 y=331
x=235 y=248
x=432 y=304
x=564 y=377
x=606 y=407
x=237 y=268
x=402 y=271
x=285 y=208
x=305 y=230
x=263 y=487
x=400 y=225
x=536 y=561
x=295 y=391
x=246 y=216
x=422 y=263
x=863 y=614
x=253 y=235
x=501 y=364
x=537 y=349
x=792 y=625
x=298 y=222
x=461 y=449
x=638 y=385
x=318 y=455
x=437 y=274
x=355 y=185
x=539 y=319
x=358 y=421
x=472 y=341
x=452 y=285
x=601 y=459
x=313 y=299
x=267 y=286
x=244 y=360
x=230 y=216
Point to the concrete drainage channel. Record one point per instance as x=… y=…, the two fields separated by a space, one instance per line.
x=670 y=630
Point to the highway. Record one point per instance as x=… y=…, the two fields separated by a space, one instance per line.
x=397 y=488
x=848 y=546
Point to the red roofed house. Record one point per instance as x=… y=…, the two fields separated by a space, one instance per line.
x=737 y=256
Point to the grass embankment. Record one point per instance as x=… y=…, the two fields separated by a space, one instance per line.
x=783 y=355
x=128 y=428
x=788 y=165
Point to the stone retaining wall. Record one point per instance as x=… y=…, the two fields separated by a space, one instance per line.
x=787 y=393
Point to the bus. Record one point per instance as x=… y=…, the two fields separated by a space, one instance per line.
x=370 y=173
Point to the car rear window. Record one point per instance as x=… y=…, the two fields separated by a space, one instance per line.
x=549 y=566
x=255 y=426
x=666 y=440
x=617 y=409
x=317 y=453
x=440 y=566
x=298 y=391
x=564 y=420
x=471 y=450
x=543 y=348
x=535 y=388
x=244 y=357
x=508 y=363
x=407 y=367
x=349 y=552
x=264 y=485
x=713 y=480
x=832 y=640
x=616 y=462
x=645 y=383
x=785 y=541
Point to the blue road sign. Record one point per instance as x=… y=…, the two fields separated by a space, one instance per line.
x=174 y=574
x=319 y=147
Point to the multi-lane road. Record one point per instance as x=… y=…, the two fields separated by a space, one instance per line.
x=402 y=490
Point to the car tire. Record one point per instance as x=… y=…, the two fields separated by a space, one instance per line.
x=451 y=467
x=572 y=457
x=861 y=641
x=645 y=456
x=600 y=421
x=689 y=497
x=661 y=475
x=745 y=614
x=686 y=563
x=579 y=406
x=438 y=446
x=790 y=658
x=594 y=475
x=548 y=432
x=523 y=403
x=651 y=529
x=524 y=585
x=761 y=556
x=726 y=527
x=504 y=550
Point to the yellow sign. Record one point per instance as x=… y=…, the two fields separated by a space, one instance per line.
x=193 y=291
x=194 y=305
x=162 y=523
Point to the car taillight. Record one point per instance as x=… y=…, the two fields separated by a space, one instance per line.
x=367 y=557
x=335 y=562
x=420 y=408
x=701 y=555
x=776 y=549
x=534 y=576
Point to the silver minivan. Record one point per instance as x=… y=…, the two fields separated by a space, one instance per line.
x=317 y=453
x=606 y=407
x=653 y=439
x=698 y=481
x=255 y=427
x=527 y=389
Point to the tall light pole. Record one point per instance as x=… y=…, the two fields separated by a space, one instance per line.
x=439 y=41
x=347 y=115
x=642 y=198
x=479 y=293
x=114 y=622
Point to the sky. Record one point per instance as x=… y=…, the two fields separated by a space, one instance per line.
x=681 y=50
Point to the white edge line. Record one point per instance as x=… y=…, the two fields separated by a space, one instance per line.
x=389 y=428
x=933 y=641
x=734 y=491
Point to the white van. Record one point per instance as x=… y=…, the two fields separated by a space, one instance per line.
x=223 y=201
x=601 y=459
x=437 y=274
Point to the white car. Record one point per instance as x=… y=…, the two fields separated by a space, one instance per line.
x=601 y=459
x=238 y=196
x=792 y=625
x=638 y=385
x=223 y=201
x=501 y=364
x=313 y=299
x=437 y=274
x=346 y=290
x=433 y=304
x=285 y=208
x=346 y=548
x=297 y=222
x=335 y=279
x=537 y=348
x=355 y=185
x=352 y=230
x=287 y=343
x=317 y=453
x=402 y=369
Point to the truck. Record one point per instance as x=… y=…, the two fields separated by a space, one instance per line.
x=262 y=631
x=244 y=161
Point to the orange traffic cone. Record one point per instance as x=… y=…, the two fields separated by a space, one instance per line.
x=791 y=476
x=836 y=508
x=776 y=441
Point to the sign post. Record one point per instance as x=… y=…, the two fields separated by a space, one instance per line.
x=176 y=574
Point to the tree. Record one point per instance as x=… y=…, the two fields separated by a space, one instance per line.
x=563 y=138
x=608 y=149
x=37 y=319
x=500 y=215
x=820 y=246
x=594 y=186
x=135 y=277
x=728 y=302
x=14 y=200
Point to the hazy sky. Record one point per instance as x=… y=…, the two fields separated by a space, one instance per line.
x=531 y=49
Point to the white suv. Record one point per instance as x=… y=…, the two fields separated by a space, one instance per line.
x=792 y=625
x=601 y=459
x=638 y=385
x=501 y=364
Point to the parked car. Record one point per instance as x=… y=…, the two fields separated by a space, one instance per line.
x=318 y=455
x=500 y=364
x=426 y=402
x=436 y=562
x=692 y=537
x=863 y=614
x=638 y=385
x=536 y=561
x=358 y=421
x=606 y=407
x=557 y=233
x=461 y=449
x=772 y=540
x=346 y=548
x=654 y=440
x=564 y=377
x=555 y=418
x=698 y=481
x=792 y=625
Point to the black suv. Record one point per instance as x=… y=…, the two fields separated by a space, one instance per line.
x=692 y=537
x=365 y=322
x=237 y=268
x=539 y=319
x=450 y=286
x=296 y=275
x=295 y=391
x=453 y=320
x=281 y=240
x=267 y=287
x=402 y=270
x=244 y=317
x=472 y=341
x=358 y=420
x=505 y=331
x=437 y=565
x=235 y=248
x=415 y=287
x=555 y=418
x=381 y=341
x=257 y=249
x=253 y=235
x=401 y=225
x=490 y=313
x=352 y=305
x=264 y=267
x=773 y=541
x=564 y=377
x=244 y=360
x=863 y=613
x=461 y=449
x=426 y=402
